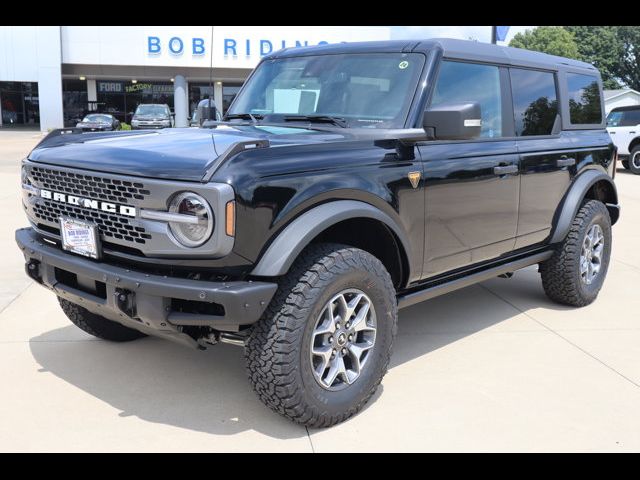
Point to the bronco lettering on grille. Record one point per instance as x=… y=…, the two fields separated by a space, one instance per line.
x=88 y=203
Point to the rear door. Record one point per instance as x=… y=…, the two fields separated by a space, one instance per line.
x=545 y=162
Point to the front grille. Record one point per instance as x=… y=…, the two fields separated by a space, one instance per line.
x=85 y=185
x=114 y=226
x=88 y=185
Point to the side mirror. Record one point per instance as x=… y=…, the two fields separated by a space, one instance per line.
x=460 y=121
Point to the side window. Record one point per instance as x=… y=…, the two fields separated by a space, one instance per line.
x=584 y=99
x=630 y=118
x=460 y=82
x=535 y=103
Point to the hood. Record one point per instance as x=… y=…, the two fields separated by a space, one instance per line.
x=174 y=153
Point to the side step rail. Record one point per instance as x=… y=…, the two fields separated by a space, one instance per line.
x=428 y=292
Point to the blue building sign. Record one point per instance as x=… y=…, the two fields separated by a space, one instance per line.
x=231 y=46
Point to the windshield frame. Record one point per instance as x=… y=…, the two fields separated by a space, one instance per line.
x=405 y=118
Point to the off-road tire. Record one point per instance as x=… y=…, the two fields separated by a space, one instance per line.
x=634 y=166
x=96 y=325
x=561 y=273
x=277 y=351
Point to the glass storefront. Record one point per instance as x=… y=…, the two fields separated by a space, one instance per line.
x=229 y=92
x=74 y=101
x=19 y=103
x=120 y=98
x=197 y=92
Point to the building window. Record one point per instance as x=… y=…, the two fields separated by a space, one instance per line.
x=19 y=103
x=229 y=92
x=121 y=99
x=535 y=102
x=74 y=101
x=197 y=92
x=460 y=82
x=584 y=99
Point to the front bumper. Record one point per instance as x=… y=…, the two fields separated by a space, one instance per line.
x=154 y=304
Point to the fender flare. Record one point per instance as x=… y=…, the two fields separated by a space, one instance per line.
x=283 y=251
x=573 y=199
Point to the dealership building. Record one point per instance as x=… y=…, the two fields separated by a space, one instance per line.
x=50 y=76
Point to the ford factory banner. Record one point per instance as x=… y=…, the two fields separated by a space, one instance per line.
x=232 y=47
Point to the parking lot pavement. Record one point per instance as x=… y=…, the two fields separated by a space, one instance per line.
x=495 y=366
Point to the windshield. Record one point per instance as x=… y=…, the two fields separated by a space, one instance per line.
x=153 y=110
x=366 y=90
x=97 y=118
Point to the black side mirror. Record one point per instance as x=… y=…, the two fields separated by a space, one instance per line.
x=460 y=121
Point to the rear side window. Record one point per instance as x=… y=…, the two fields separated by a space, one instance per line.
x=535 y=103
x=584 y=99
x=460 y=82
x=623 y=118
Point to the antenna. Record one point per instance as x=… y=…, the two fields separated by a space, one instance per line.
x=211 y=71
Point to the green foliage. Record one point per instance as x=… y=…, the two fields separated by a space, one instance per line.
x=125 y=126
x=628 y=69
x=552 y=40
x=601 y=46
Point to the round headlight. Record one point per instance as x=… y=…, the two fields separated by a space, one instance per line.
x=197 y=231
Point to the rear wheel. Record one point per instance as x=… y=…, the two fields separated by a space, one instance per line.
x=96 y=325
x=634 y=160
x=323 y=345
x=575 y=273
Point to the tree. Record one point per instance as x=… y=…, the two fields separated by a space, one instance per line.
x=552 y=40
x=602 y=47
x=629 y=67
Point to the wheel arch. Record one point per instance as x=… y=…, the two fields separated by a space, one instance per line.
x=350 y=222
x=634 y=143
x=592 y=184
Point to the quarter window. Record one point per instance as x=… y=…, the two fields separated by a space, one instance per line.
x=584 y=99
x=460 y=82
x=535 y=103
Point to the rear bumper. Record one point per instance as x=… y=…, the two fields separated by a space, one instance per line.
x=154 y=304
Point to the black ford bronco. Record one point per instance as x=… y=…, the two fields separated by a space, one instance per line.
x=344 y=183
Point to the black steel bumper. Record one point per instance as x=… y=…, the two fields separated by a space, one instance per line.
x=154 y=304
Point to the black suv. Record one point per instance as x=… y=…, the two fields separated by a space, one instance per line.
x=344 y=183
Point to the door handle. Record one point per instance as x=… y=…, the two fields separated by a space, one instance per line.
x=506 y=169
x=566 y=162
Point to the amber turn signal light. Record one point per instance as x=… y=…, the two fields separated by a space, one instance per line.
x=230 y=224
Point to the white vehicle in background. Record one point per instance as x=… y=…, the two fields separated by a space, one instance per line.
x=623 y=125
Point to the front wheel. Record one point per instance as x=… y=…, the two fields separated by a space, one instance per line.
x=324 y=343
x=575 y=273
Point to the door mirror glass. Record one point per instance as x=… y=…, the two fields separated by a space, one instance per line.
x=459 y=121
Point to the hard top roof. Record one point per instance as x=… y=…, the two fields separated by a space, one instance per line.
x=452 y=48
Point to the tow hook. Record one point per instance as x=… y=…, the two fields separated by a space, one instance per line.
x=33 y=270
x=125 y=300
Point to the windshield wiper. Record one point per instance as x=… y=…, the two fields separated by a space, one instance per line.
x=339 y=121
x=245 y=116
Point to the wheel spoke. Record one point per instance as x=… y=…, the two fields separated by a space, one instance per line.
x=337 y=368
x=360 y=322
x=325 y=354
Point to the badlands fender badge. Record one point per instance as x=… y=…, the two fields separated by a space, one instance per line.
x=414 y=178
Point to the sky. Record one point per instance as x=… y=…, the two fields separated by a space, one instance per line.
x=482 y=34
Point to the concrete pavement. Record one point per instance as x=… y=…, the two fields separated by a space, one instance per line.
x=495 y=366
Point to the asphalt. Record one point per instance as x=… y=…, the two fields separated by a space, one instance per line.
x=493 y=367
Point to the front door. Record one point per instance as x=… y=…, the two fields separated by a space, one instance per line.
x=471 y=194
x=471 y=187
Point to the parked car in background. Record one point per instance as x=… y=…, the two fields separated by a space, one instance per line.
x=623 y=125
x=152 y=115
x=96 y=122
